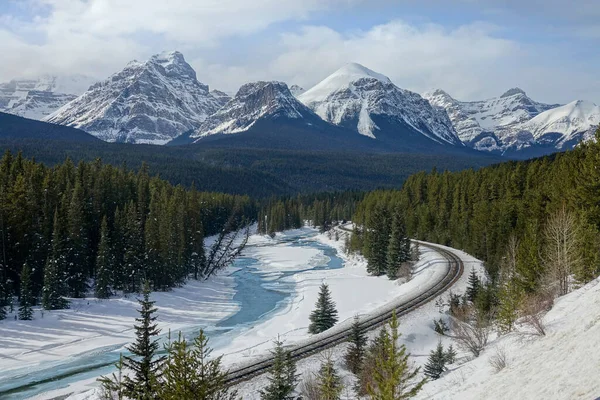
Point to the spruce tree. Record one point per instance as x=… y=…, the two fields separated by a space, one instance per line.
x=329 y=382
x=450 y=355
x=104 y=264
x=398 y=250
x=55 y=288
x=324 y=316
x=436 y=363
x=509 y=300
x=190 y=373
x=26 y=299
x=473 y=286
x=3 y=292
x=356 y=350
x=113 y=386
x=282 y=376
x=77 y=242
x=143 y=382
x=393 y=378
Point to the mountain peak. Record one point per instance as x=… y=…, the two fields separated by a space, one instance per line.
x=174 y=63
x=254 y=101
x=513 y=91
x=146 y=102
x=354 y=71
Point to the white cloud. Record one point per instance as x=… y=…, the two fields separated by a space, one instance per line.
x=476 y=60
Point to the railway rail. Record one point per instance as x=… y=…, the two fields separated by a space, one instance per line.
x=321 y=343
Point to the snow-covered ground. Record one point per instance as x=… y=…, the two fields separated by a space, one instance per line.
x=294 y=263
x=416 y=328
x=564 y=364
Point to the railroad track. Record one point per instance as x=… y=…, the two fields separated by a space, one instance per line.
x=320 y=343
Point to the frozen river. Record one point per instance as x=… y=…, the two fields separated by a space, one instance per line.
x=263 y=286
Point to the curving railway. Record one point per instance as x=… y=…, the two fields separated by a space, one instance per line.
x=324 y=341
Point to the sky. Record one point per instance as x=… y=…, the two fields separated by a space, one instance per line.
x=473 y=49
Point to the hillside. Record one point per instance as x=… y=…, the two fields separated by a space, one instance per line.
x=563 y=364
x=19 y=128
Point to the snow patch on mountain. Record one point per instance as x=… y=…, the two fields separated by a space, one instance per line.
x=147 y=102
x=252 y=102
x=354 y=94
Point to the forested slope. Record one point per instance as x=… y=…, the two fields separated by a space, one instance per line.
x=72 y=226
x=480 y=211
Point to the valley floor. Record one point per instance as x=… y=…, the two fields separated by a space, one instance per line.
x=295 y=263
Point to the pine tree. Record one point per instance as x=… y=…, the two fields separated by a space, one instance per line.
x=376 y=241
x=450 y=355
x=473 y=286
x=398 y=250
x=282 y=376
x=143 y=384
x=509 y=300
x=114 y=385
x=393 y=378
x=26 y=299
x=436 y=363
x=55 y=288
x=104 y=264
x=324 y=316
x=77 y=242
x=356 y=350
x=189 y=373
x=329 y=382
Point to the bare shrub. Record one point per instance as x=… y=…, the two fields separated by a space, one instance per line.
x=309 y=388
x=405 y=270
x=534 y=308
x=562 y=250
x=499 y=359
x=471 y=334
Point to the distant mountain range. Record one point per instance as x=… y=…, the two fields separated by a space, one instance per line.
x=514 y=123
x=37 y=98
x=161 y=100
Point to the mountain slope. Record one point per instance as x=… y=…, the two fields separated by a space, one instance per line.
x=15 y=127
x=494 y=124
x=267 y=115
x=564 y=126
x=37 y=98
x=367 y=102
x=563 y=364
x=252 y=102
x=147 y=102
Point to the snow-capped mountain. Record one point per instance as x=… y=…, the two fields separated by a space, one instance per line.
x=358 y=98
x=252 y=102
x=493 y=124
x=147 y=102
x=39 y=97
x=564 y=126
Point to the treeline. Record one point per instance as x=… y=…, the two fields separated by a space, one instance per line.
x=321 y=209
x=69 y=226
x=511 y=206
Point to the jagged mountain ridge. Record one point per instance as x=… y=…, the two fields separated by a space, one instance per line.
x=252 y=102
x=35 y=98
x=514 y=122
x=147 y=102
x=369 y=103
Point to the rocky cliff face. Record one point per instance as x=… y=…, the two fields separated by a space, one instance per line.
x=147 y=102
